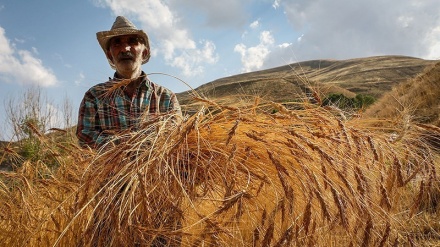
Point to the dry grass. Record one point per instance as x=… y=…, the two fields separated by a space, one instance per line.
x=240 y=177
x=417 y=98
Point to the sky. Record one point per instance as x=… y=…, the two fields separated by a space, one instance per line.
x=51 y=45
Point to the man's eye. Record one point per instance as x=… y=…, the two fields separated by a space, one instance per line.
x=133 y=41
x=116 y=41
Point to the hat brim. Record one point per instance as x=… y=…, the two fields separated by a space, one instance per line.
x=104 y=37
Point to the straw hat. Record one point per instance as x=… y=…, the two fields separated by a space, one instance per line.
x=121 y=26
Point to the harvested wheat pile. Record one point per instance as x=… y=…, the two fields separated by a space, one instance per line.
x=261 y=175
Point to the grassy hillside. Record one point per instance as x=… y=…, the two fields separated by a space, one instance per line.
x=417 y=98
x=371 y=76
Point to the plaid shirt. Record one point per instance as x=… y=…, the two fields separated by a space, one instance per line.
x=103 y=114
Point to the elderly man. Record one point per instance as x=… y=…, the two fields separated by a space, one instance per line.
x=125 y=103
x=128 y=99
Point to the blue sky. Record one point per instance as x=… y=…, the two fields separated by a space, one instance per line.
x=52 y=44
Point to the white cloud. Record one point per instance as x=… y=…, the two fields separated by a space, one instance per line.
x=266 y=38
x=20 y=66
x=281 y=54
x=217 y=14
x=190 y=61
x=252 y=58
x=433 y=42
x=345 y=29
x=320 y=29
x=255 y=24
x=284 y=45
x=172 y=41
x=5 y=48
x=276 y=4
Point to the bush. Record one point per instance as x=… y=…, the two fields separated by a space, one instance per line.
x=343 y=102
x=31 y=119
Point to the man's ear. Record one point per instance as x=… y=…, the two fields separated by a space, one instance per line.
x=109 y=56
x=145 y=53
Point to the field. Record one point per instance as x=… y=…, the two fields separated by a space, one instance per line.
x=257 y=173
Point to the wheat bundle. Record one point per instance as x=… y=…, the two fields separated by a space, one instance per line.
x=230 y=177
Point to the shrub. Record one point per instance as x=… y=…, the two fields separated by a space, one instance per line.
x=343 y=102
x=29 y=118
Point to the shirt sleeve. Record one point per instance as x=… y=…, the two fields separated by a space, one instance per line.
x=174 y=104
x=176 y=109
x=88 y=129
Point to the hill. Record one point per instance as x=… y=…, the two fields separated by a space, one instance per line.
x=417 y=98
x=369 y=76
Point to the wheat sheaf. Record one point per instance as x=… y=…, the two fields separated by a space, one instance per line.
x=256 y=175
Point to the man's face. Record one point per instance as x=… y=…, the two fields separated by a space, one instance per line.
x=127 y=52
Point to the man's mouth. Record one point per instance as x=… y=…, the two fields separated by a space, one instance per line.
x=126 y=57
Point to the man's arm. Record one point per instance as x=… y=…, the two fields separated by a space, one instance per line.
x=175 y=105
x=88 y=129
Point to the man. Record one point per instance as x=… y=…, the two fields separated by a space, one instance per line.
x=127 y=102
x=130 y=98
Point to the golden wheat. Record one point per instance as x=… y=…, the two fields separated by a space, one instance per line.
x=228 y=176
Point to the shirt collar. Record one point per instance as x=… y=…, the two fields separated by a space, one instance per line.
x=117 y=78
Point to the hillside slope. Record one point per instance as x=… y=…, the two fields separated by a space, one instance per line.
x=371 y=75
x=417 y=98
